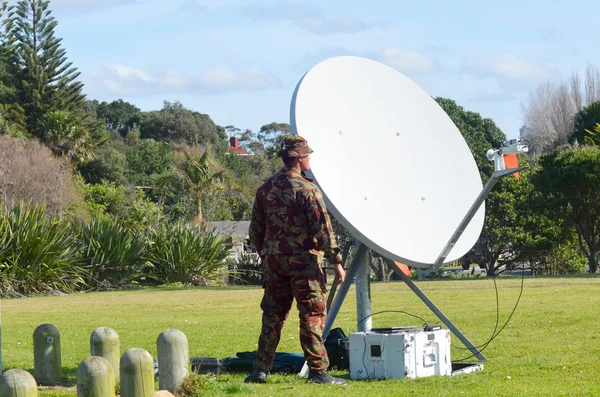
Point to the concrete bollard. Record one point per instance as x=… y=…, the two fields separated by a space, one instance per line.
x=95 y=378
x=173 y=359
x=137 y=373
x=17 y=383
x=104 y=342
x=46 y=355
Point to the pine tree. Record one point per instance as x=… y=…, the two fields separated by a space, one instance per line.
x=592 y=138
x=46 y=81
x=11 y=114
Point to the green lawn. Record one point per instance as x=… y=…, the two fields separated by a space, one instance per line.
x=550 y=347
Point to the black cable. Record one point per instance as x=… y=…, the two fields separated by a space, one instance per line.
x=494 y=333
x=390 y=311
x=486 y=344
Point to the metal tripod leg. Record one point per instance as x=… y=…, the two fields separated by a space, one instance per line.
x=436 y=311
x=357 y=261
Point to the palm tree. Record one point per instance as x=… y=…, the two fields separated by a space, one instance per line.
x=67 y=137
x=204 y=176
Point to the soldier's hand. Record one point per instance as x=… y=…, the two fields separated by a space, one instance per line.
x=340 y=273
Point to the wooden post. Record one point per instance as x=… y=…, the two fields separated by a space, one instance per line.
x=95 y=378
x=104 y=342
x=46 y=355
x=137 y=373
x=173 y=359
x=17 y=383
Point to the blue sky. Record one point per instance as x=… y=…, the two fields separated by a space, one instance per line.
x=239 y=60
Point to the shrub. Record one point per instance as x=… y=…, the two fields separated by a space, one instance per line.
x=30 y=172
x=146 y=161
x=38 y=254
x=131 y=206
x=109 y=165
x=182 y=253
x=246 y=270
x=110 y=253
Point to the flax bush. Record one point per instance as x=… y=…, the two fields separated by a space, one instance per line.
x=181 y=253
x=111 y=254
x=38 y=253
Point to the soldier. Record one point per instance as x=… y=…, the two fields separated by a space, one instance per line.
x=292 y=232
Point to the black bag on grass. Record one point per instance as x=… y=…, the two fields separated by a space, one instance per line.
x=286 y=363
x=337 y=349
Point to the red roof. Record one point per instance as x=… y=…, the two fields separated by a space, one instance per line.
x=238 y=151
x=235 y=149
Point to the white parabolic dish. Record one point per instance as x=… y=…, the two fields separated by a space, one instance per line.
x=393 y=167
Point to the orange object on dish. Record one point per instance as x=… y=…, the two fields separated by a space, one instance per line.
x=403 y=267
x=511 y=161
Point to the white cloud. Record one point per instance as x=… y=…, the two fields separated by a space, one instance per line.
x=249 y=79
x=508 y=67
x=127 y=73
x=307 y=17
x=407 y=61
x=125 y=80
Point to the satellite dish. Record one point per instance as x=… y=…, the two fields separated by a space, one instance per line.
x=394 y=169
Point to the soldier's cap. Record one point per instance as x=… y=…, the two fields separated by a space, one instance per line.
x=294 y=146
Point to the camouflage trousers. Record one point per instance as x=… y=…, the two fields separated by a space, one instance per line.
x=287 y=278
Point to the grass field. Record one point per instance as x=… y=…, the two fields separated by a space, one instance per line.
x=551 y=347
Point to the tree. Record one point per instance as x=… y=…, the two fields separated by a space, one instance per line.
x=569 y=179
x=130 y=207
x=503 y=234
x=147 y=161
x=203 y=176
x=108 y=165
x=481 y=134
x=504 y=237
x=246 y=139
x=592 y=136
x=45 y=80
x=11 y=114
x=585 y=120
x=119 y=115
x=269 y=136
x=550 y=109
x=175 y=123
x=66 y=136
x=517 y=232
x=30 y=173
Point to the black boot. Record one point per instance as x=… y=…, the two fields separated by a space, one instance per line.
x=257 y=376
x=324 y=378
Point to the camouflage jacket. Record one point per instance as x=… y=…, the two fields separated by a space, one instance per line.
x=289 y=217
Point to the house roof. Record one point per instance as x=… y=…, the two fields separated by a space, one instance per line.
x=238 y=151
x=237 y=229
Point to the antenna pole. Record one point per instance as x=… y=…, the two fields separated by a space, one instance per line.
x=363 y=294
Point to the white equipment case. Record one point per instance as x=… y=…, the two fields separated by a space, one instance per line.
x=399 y=352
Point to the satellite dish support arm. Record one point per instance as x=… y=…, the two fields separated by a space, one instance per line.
x=469 y=216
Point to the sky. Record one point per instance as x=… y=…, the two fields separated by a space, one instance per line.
x=240 y=60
